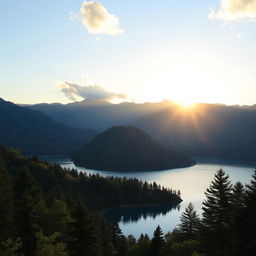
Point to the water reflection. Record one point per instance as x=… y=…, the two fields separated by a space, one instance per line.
x=134 y=214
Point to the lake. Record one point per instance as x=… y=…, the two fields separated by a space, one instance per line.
x=191 y=181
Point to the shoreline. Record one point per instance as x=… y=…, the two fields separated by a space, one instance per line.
x=104 y=211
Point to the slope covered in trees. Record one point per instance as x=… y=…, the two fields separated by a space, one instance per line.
x=34 y=132
x=37 y=219
x=43 y=212
x=128 y=148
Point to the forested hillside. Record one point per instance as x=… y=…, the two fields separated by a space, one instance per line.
x=38 y=218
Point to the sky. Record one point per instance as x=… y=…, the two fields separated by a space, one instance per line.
x=186 y=51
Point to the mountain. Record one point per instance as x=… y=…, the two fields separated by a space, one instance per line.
x=212 y=130
x=34 y=132
x=97 y=114
x=128 y=148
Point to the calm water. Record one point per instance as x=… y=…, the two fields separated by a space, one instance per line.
x=192 y=181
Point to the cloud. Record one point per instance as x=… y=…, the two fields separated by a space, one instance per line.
x=73 y=16
x=98 y=20
x=91 y=92
x=235 y=10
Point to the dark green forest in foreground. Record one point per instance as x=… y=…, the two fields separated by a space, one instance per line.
x=48 y=211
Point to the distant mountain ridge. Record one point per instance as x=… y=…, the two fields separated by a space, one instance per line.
x=210 y=130
x=98 y=115
x=35 y=132
x=128 y=148
x=206 y=130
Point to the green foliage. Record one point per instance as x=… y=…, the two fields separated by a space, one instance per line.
x=186 y=248
x=84 y=237
x=57 y=218
x=142 y=247
x=48 y=245
x=11 y=247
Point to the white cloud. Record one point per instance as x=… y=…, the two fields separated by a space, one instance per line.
x=73 y=16
x=90 y=92
x=235 y=10
x=98 y=20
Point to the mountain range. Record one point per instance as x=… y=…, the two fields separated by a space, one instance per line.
x=212 y=130
x=33 y=132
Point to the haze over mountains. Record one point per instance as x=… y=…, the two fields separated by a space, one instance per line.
x=212 y=130
x=98 y=114
x=34 y=132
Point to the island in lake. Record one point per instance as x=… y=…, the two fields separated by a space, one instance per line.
x=128 y=148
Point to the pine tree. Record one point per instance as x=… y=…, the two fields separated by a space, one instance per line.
x=248 y=221
x=236 y=218
x=28 y=210
x=118 y=240
x=189 y=222
x=84 y=237
x=157 y=242
x=57 y=218
x=6 y=204
x=216 y=215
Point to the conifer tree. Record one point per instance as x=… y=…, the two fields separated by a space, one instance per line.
x=28 y=210
x=236 y=218
x=57 y=218
x=84 y=237
x=216 y=215
x=248 y=221
x=6 y=204
x=189 y=222
x=118 y=240
x=157 y=242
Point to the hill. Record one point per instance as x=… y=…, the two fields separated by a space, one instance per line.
x=34 y=132
x=128 y=148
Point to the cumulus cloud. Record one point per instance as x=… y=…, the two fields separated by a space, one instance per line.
x=90 y=92
x=98 y=20
x=235 y=10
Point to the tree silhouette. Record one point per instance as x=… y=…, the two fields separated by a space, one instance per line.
x=189 y=222
x=6 y=203
x=216 y=214
x=157 y=242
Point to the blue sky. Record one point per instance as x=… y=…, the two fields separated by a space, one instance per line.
x=168 y=50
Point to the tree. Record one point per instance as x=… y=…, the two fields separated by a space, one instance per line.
x=189 y=222
x=10 y=247
x=84 y=237
x=28 y=211
x=157 y=242
x=216 y=215
x=236 y=218
x=248 y=221
x=6 y=203
x=57 y=218
x=48 y=245
x=118 y=240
